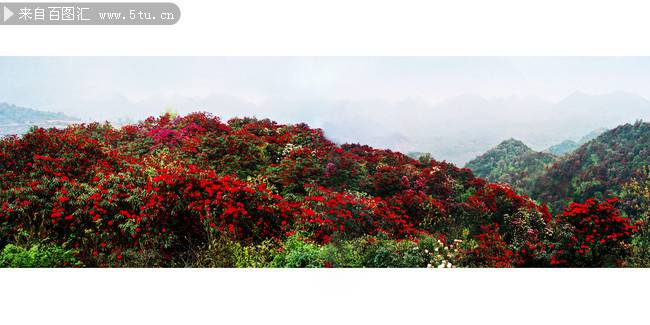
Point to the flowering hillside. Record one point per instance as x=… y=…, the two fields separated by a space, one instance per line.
x=195 y=191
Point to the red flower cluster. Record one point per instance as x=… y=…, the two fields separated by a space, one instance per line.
x=597 y=234
x=492 y=250
x=327 y=213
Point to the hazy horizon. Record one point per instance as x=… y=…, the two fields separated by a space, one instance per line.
x=453 y=107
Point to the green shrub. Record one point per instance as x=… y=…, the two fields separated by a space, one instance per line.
x=379 y=251
x=255 y=256
x=222 y=251
x=441 y=255
x=636 y=205
x=296 y=252
x=343 y=254
x=370 y=251
x=217 y=252
x=39 y=255
x=391 y=253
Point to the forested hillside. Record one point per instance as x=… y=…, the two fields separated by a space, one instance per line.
x=597 y=169
x=511 y=162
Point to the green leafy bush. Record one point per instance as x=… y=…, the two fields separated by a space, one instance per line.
x=255 y=256
x=39 y=255
x=391 y=253
x=296 y=252
x=379 y=251
x=636 y=205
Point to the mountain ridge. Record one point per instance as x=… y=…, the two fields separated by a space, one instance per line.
x=17 y=120
x=599 y=168
x=511 y=162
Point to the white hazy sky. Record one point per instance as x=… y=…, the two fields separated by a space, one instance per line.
x=434 y=104
x=68 y=84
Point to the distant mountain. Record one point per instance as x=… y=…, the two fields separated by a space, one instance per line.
x=598 y=168
x=567 y=146
x=423 y=157
x=18 y=120
x=616 y=107
x=460 y=128
x=455 y=129
x=511 y=162
x=591 y=135
x=564 y=147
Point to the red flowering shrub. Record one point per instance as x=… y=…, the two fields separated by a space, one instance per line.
x=327 y=214
x=492 y=250
x=388 y=180
x=189 y=200
x=425 y=212
x=239 y=153
x=299 y=166
x=595 y=235
x=530 y=236
x=162 y=187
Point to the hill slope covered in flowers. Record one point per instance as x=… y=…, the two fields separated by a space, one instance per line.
x=195 y=191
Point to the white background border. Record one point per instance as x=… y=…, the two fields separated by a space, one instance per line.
x=326 y=296
x=335 y=27
x=359 y=27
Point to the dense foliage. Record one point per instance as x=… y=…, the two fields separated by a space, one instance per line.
x=511 y=162
x=597 y=169
x=37 y=256
x=636 y=198
x=195 y=191
x=598 y=234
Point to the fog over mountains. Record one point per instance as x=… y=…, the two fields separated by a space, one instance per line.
x=463 y=127
x=453 y=107
x=457 y=129
x=18 y=120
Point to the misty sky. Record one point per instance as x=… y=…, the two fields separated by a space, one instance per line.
x=69 y=83
x=453 y=107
